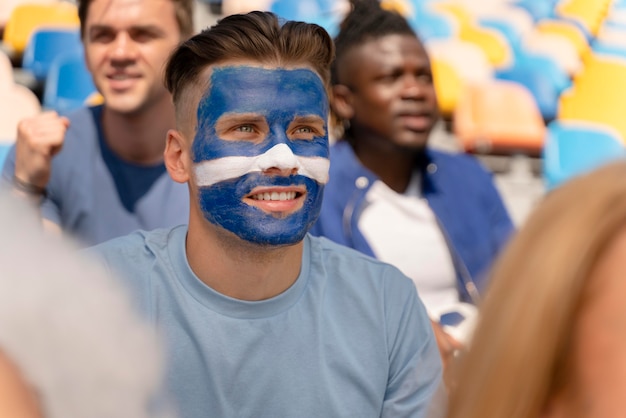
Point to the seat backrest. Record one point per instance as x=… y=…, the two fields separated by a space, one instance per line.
x=575 y=147
x=45 y=45
x=27 y=17
x=498 y=117
x=68 y=84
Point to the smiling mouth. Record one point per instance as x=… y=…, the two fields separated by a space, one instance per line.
x=276 y=196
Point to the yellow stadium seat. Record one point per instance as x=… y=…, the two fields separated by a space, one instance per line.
x=494 y=44
x=404 y=7
x=597 y=93
x=448 y=85
x=27 y=17
x=498 y=117
x=589 y=13
x=567 y=30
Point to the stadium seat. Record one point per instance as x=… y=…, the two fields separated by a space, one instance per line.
x=448 y=85
x=498 y=117
x=555 y=47
x=45 y=45
x=69 y=83
x=568 y=30
x=542 y=75
x=573 y=148
x=589 y=13
x=597 y=93
x=27 y=17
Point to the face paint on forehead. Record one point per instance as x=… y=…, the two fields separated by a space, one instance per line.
x=278 y=95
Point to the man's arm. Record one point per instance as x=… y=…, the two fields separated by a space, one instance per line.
x=27 y=170
x=415 y=374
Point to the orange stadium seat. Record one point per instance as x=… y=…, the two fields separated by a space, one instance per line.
x=498 y=117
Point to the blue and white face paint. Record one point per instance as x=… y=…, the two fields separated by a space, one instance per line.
x=261 y=152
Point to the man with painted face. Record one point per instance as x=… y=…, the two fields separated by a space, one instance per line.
x=435 y=215
x=260 y=318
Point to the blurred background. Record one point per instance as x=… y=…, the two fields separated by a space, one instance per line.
x=533 y=88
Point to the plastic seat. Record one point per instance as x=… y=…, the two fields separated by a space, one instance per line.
x=597 y=93
x=16 y=103
x=568 y=31
x=468 y=59
x=448 y=85
x=430 y=24
x=499 y=117
x=573 y=148
x=69 y=83
x=321 y=12
x=27 y=17
x=538 y=9
x=589 y=13
x=542 y=76
x=555 y=47
x=45 y=45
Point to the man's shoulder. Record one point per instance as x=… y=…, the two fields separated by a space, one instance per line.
x=347 y=264
x=138 y=246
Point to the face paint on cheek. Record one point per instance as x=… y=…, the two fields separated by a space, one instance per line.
x=228 y=171
x=223 y=205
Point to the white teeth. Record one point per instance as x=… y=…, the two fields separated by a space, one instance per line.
x=275 y=196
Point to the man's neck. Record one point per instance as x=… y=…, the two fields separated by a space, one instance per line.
x=239 y=269
x=139 y=137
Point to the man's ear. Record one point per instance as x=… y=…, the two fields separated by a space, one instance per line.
x=341 y=102
x=176 y=157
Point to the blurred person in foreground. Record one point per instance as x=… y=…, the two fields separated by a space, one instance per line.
x=437 y=216
x=71 y=345
x=262 y=319
x=97 y=172
x=551 y=341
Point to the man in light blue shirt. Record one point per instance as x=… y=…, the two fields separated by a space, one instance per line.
x=261 y=319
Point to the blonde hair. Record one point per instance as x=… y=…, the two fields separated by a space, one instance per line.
x=519 y=357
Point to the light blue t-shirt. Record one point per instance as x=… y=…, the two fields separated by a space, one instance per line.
x=350 y=338
x=83 y=198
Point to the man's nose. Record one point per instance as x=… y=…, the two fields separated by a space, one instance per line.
x=413 y=87
x=279 y=160
x=123 y=47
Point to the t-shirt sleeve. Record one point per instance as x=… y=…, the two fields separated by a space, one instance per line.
x=415 y=372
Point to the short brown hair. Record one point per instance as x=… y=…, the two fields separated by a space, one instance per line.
x=259 y=36
x=183 y=8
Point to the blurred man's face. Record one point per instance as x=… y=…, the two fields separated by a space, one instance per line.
x=392 y=95
x=260 y=152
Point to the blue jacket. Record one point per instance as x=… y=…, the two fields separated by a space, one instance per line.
x=458 y=189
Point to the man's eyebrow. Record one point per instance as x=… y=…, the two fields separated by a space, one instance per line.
x=308 y=119
x=241 y=117
x=135 y=28
x=235 y=118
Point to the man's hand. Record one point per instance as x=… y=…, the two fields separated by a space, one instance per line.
x=39 y=138
x=448 y=348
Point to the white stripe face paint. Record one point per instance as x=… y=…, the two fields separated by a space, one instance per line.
x=279 y=156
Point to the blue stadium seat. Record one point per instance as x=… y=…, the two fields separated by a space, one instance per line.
x=573 y=148
x=45 y=45
x=68 y=84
